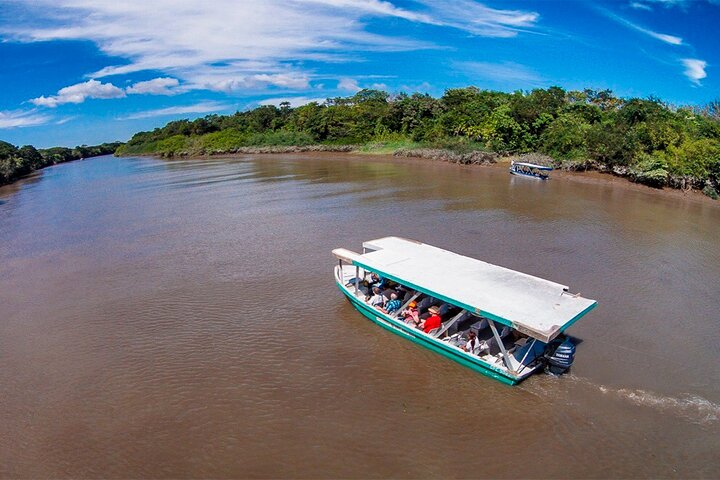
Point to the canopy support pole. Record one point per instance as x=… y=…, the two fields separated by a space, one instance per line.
x=501 y=345
x=357 y=280
x=522 y=362
x=449 y=324
x=399 y=310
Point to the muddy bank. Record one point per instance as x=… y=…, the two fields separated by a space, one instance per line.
x=588 y=174
x=683 y=187
x=469 y=158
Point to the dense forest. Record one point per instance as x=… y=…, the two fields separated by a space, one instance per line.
x=16 y=162
x=644 y=139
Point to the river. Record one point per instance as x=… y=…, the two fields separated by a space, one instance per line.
x=178 y=318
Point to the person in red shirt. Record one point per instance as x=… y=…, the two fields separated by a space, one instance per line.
x=433 y=321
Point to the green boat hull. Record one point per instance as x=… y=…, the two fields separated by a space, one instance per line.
x=437 y=347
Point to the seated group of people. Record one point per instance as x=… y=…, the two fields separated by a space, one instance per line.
x=388 y=297
x=425 y=314
x=426 y=323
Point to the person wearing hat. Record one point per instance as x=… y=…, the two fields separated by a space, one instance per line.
x=433 y=321
x=410 y=314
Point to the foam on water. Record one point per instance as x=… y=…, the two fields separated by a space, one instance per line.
x=690 y=407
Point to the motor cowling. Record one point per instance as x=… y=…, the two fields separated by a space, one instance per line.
x=560 y=361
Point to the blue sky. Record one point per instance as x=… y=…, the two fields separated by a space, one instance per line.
x=88 y=71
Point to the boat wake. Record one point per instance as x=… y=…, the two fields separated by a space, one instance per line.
x=694 y=408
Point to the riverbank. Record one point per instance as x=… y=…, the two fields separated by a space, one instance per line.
x=580 y=171
x=18 y=162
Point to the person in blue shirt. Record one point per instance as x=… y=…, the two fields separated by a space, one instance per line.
x=393 y=305
x=376 y=281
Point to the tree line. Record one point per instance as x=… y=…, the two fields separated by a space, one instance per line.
x=642 y=138
x=16 y=162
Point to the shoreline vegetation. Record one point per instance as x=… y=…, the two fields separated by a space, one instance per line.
x=17 y=162
x=644 y=140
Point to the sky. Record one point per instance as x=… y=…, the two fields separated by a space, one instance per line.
x=89 y=71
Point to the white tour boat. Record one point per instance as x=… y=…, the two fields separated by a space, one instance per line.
x=530 y=170
x=517 y=320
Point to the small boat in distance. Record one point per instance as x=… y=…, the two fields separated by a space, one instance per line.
x=502 y=323
x=530 y=170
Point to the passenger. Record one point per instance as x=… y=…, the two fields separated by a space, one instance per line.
x=376 y=281
x=393 y=305
x=505 y=331
x=388 y=292
x=377 y=300
x=474 y=345
x=433 y=321
x=361 y=285
x=410 y=314
x=408 y=294
x=426 y=303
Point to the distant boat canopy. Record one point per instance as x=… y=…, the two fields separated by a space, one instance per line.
x=474 y=296
x=530 y=170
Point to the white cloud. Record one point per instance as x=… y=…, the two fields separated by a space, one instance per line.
x=156 y=86
x=478 y=19
x=253 y=44
x=203 y=107
x=695 y=69
x=423 y=87
x=509 y=73
x=682 y=4
x=224 y=80
x=640 y=6
x=671 y=39
x=19 y=118
x=293 y=101
x=79 y=92
x=349 y=85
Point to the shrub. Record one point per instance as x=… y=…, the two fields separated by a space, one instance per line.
x=710 y=191
x=650 y=170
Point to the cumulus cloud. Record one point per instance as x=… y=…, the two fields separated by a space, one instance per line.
x=293 y=101
x=79 y=92
x=20 y=118
x=202 y=107
x=254 y=44
x=348 y=85
x=694 y=69
x=156 y=86
x=224 y=81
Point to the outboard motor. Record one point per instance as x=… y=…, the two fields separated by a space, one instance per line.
x=561 y=359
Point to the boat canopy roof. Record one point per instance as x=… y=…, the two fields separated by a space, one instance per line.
x=532 y=165
x=539 y=308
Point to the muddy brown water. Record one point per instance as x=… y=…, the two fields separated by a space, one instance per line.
x=179 y=319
